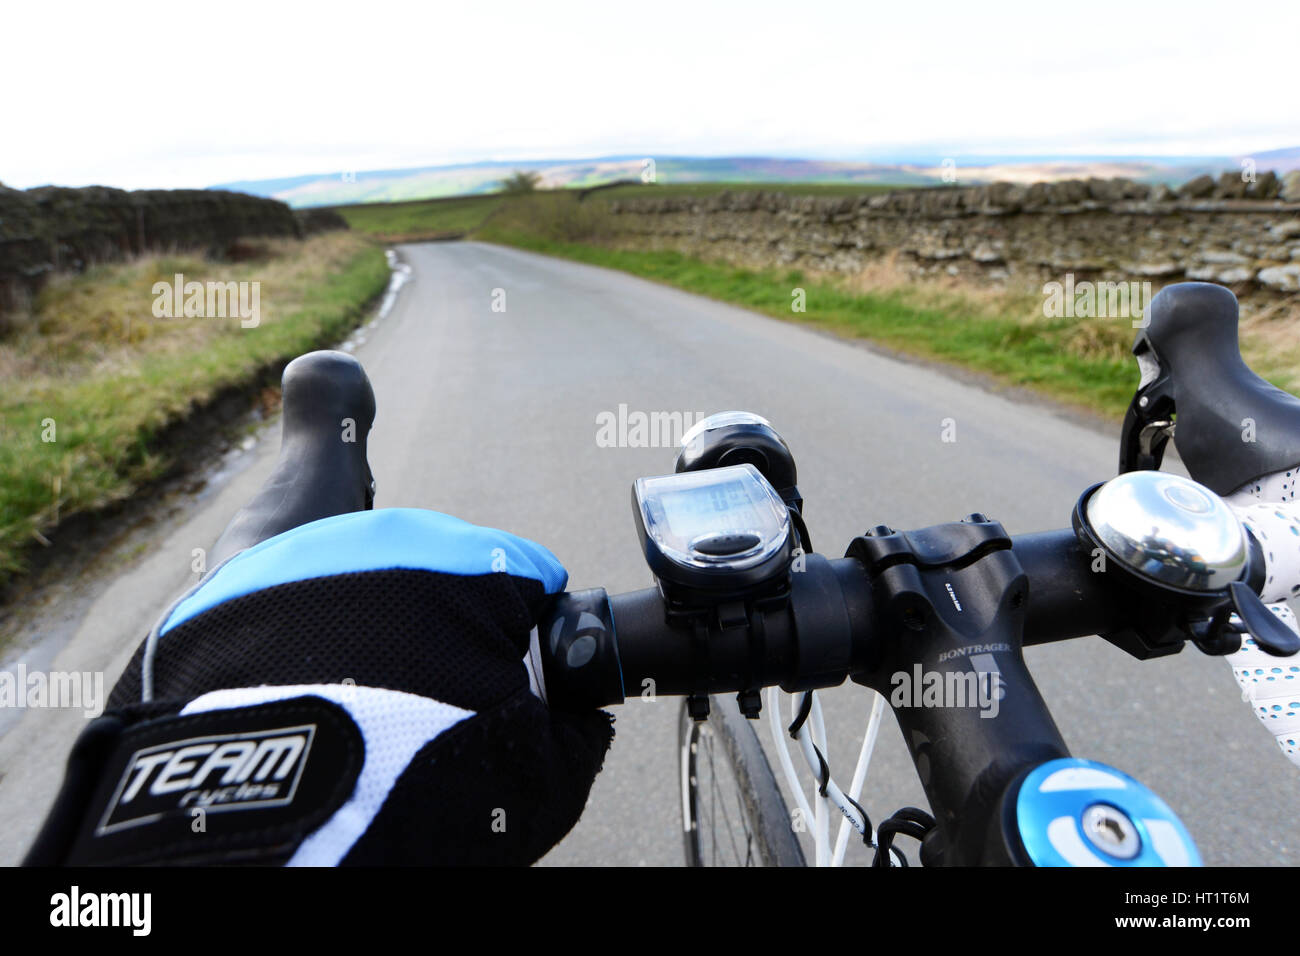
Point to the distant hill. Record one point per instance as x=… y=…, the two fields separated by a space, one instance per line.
x=431 y=182
x=1279 y=160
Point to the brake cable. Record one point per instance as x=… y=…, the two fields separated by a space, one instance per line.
x=824 y=770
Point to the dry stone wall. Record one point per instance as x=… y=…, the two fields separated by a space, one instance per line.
x=52 y=228
x=1244 y=235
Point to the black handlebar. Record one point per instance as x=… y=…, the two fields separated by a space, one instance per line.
x=828 y=632
x=871 y=619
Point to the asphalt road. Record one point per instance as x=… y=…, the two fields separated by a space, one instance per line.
x=492 y=415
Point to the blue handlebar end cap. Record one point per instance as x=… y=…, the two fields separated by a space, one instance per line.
x=1074 y=812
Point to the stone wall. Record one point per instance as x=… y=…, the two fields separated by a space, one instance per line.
x=1245 y=235
x=52 y=228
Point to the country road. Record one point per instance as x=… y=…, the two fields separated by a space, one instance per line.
x=492 y=416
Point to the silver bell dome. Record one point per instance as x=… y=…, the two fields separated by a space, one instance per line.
x=1170 y=529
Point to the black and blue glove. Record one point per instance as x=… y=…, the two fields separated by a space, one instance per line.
x=361 y=689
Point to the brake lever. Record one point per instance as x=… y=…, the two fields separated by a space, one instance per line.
x=1148 y=426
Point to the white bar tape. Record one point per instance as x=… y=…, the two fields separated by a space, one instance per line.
x=1271 y=685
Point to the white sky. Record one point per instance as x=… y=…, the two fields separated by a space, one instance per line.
x=178 y=94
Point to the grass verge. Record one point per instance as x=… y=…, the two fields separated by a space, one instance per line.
x=92 y=378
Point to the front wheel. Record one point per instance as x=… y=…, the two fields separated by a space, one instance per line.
x=733 y=813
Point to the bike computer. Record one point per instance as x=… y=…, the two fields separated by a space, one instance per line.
x=721 y=531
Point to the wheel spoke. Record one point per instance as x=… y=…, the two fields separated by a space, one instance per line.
x=722 y=824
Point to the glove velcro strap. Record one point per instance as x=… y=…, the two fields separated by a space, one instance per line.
x=224 y=786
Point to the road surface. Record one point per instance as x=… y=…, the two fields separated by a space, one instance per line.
x=490 y=374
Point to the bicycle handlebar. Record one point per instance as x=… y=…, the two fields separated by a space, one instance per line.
x=840 y=623
x=886 y=618
x=826 y=633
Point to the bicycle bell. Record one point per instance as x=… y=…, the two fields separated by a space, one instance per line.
x=1180 y=538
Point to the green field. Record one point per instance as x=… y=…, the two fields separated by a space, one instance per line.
x=457 y=216
x=422 y=219
x=648 y=190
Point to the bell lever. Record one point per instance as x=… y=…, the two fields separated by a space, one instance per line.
x=1272 y=636
x=1217 y=635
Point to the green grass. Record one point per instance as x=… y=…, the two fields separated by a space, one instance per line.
x=427 y=219
x=647 y=190
x=109 y=402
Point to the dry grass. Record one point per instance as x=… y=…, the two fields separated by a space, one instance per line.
x=1269 y=327
x=1270 y=340
x=89 y=377
x=951 y=293
x=101 y=321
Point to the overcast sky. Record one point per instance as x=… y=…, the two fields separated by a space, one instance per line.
x=180 y=94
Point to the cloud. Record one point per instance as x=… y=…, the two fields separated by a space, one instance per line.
x=161 y=94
